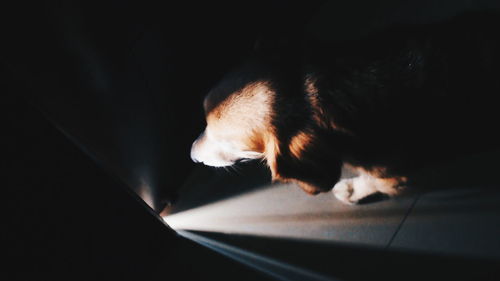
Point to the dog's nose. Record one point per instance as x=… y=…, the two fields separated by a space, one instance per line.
x=193 y=157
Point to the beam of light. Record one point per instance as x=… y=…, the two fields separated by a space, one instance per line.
x=275 y=268
x=284 y=211
x=145 y=191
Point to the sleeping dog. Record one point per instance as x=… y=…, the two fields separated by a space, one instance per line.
x=382 y=105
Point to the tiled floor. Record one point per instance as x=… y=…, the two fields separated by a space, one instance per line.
x=456 y=220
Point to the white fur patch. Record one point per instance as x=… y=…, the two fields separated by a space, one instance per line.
x=216 y=153
x=353 y=190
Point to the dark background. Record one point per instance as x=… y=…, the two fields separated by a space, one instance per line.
x=100 y=99
x=100 y=103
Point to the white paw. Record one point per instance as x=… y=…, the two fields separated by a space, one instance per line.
x=353 y=190
x=344 y=191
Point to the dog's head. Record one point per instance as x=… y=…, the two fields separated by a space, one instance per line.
x=238 y=125
x=259 y=117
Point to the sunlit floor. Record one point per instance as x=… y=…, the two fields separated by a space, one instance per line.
x=458 y=221
x=286 y=211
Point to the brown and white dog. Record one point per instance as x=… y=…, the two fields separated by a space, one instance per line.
x=381 y=105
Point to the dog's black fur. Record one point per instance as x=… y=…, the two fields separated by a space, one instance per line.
x=400 y=98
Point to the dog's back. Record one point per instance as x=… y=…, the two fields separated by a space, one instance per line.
x=413 y=93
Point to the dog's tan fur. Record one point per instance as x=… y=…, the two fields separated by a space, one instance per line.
x=245 y=118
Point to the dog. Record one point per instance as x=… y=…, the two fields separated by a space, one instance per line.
x=382 y=106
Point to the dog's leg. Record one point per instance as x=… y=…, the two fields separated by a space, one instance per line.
x=353 y=190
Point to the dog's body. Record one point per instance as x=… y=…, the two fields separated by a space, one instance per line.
x=383 y=105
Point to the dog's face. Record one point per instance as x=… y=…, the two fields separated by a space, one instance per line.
x=238 y=125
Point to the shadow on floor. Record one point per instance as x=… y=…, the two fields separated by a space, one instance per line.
x=303 y=260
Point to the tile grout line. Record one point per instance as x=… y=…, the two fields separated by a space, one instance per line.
x=410 y=209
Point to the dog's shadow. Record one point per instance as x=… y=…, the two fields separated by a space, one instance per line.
x=208 y=184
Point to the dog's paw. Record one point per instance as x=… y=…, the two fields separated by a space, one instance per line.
x=344 y=191
x=356 y=190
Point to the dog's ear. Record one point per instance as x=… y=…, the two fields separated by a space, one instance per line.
x=307 y=160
